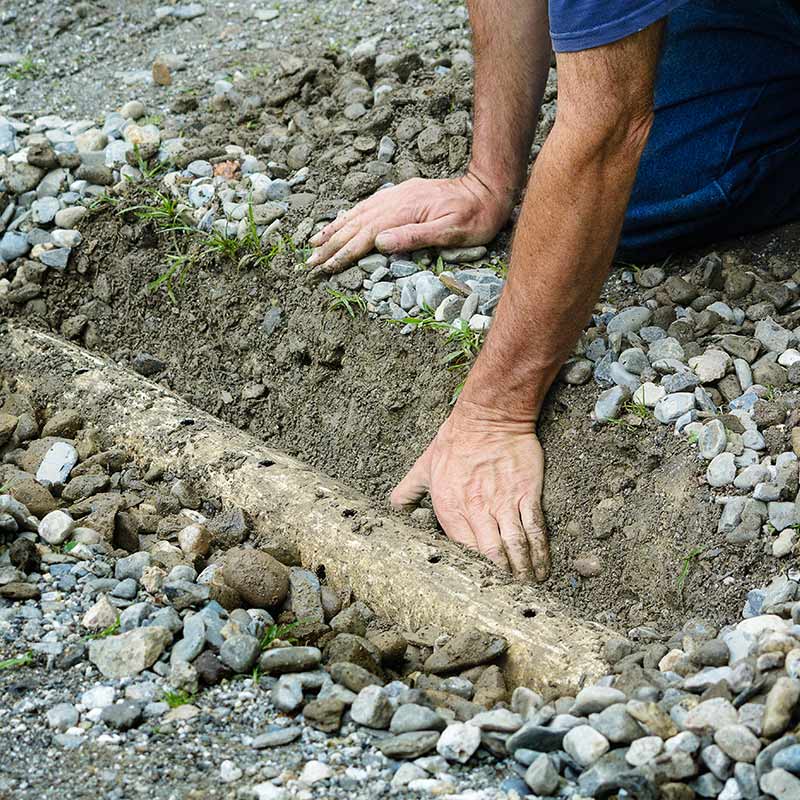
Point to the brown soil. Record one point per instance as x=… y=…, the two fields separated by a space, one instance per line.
x=357 y=400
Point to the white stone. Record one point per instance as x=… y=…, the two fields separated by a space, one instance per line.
x=98 y=697
x=789 y=357
x=721 y=470
x=458 y=742
x=229 y=772
x=648 y=394
x=585 y=744
x=643 y=750
x=673 y=406
x=711 y=365
x=315 y=771
x=56 y=527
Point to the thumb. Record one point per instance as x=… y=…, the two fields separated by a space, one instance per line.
x=412 y=237
x=413 y=487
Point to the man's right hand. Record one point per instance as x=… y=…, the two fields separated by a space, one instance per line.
x=412 y=215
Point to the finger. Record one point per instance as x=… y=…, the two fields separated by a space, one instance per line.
x=342 y=218
x=487 y=532
x=458 y=529
x=536 y=533
x=416 y=236
x=358 y=246
x=515 y=543
x=407 y=494
x=325 y=252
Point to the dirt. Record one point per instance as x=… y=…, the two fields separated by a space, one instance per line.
x=357 y=400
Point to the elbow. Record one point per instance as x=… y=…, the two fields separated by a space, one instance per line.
x=611 y=132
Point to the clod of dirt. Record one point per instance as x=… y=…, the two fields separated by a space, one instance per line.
x=466 y=649
x=260 y=580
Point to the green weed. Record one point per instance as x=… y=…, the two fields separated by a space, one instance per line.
x=102 y=202
x=164 y=213
x=177 y=697
x=687 y=562
x=111 y=630
x=178 y=267
x=281 y=632
x=17 y=662
x=349 y=303
x=693 y=437
x=27 y=68
x=256 y=676
x=637 y=409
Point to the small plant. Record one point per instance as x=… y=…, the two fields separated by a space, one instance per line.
x=693 y=437
x=499 y=266
x=258 y=71
x=349 y=303
x=178 y=266
x=637 y=409
x=177 y=697
x=109 y=631
x=468 y=344
x=71 y=545
x=281 y=632
x=256 y=676
x=439 y=267
x=151 y=119
x=688 y=561
x=102 y=202
x=19 y=661
x=165 y=213
x=27 y=68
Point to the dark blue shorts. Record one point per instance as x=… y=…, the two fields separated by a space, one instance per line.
x=723 y=158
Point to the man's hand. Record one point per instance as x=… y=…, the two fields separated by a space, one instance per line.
x=485 y=479
x=412 y=215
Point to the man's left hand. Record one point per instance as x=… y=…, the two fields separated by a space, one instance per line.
x=485 y=480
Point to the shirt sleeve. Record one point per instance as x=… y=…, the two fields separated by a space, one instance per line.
x=582 y=24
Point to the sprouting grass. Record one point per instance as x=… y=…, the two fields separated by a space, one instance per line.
x=687 y=562
x=178 y=267
x=281 y=632
x=499 y=266
x=256 y=676
x=27 y=68
x=5 y=488
x=258 y=71
x=637 y=409
x=18 y=661
x=151 y=119
x=465 y=342
x=104 y=201
x=351 y=304
x=177 y=697
x=693 y=437
x=71 y=545
x=111 y=630
x=164 y=212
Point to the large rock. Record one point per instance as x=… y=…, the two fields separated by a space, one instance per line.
x=260 y=580
x=470 y=648
x=129 y=653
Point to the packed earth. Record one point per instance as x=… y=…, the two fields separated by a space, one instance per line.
x=155 y=207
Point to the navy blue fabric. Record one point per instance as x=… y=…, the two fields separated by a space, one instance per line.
x=723 y=157
x=581 y=24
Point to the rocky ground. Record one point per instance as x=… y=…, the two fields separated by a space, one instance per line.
x=156 y=202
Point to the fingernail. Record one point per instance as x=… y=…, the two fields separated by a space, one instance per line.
x=315 y=240
x=385 y=242
x=312 y=260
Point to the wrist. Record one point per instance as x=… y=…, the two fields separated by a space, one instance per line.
x=502 y=189
x=469 y=414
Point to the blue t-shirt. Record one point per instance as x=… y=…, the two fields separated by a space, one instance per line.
x=581 y=24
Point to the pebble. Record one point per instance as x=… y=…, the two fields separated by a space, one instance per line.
x=459 y=742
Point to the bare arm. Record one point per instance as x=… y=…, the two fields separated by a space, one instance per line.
x=484 y=470
x=511 y=41
x=512 y=57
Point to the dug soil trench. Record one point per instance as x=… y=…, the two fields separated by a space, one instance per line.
x=332 y=527
x=357 y=401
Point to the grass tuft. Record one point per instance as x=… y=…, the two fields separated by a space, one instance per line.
x=349 y=303
x=18 y=661
x=177 y=697
x=111 y=630
x=281 y=632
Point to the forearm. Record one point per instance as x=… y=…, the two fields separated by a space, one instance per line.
x=511 y=41
x=565 y=241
